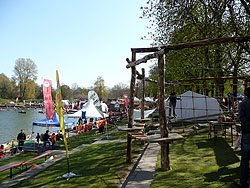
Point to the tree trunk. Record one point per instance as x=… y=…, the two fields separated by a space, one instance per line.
x=143 y=94
x=165 y=162
x=131 y=109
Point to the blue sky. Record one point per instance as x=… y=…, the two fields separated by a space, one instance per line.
x=79 y=38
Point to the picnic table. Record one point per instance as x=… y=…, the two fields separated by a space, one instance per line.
x=35 y=158
x=224 y=125
x=10 y=166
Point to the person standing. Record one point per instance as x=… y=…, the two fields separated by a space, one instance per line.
x=46 y=138
x=21 y=137
x=38 y=138
x=53 y=140
x=172 y=99
x=244 y=116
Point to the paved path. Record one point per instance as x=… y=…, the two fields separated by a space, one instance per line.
x=143 y=172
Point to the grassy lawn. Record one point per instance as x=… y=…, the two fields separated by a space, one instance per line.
x=5 y=175
x=83 y=138
x=101 y=165
x=197 y=162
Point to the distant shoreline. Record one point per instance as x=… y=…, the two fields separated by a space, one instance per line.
x=23 y=106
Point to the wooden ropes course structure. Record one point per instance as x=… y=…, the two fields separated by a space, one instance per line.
x=159 y=53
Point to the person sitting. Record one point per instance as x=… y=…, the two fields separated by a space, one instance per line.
x=2 y=153
x=13 y=149
x=101 y=128
x=80 y=121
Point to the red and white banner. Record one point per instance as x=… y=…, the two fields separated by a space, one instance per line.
x=48 y=99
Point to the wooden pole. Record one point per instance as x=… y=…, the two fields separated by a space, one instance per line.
x=131 y=109
x=165 y=162
x=143 y=93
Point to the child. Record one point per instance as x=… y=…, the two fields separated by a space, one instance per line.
x=53 y=140
x=38 y=137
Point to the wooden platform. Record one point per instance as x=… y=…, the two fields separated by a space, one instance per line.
x=130 y=129
x=171 y=137
x=139 y=124
x=145 y=120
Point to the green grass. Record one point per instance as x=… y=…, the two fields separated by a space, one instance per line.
x=116 y=136
x=75 y=141
x=5 y=175
x=197 y=162
x=101 y=165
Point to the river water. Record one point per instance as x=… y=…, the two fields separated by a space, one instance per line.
x=11 y=122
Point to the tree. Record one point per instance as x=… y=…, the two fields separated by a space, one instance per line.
x=67 y=93
x=25 y=71
x=78 y=92
x=6 y=87
x=39 y=91
x=117 y=91
x=100 y=88
x=184 y=21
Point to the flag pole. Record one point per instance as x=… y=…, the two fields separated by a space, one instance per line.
x=60 y=113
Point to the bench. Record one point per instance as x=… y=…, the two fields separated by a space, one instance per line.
x=10 y=166
x=35 y=158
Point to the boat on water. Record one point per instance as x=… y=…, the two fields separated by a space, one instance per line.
x=22 y=112
x=41 y=112
x=2 y=109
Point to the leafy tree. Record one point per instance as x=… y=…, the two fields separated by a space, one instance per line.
x=6 y=87
x=183 y=21
x=30 y=89
x=100 y=88
x=25 y=71
x=39 y=91
x=67 y=93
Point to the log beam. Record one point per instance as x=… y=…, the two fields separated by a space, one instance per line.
x=159 y=50
x=143 y=94
x=131 y=109
x=165 y=162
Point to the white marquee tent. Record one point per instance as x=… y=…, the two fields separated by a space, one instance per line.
x=193 y=106
x=90 y=109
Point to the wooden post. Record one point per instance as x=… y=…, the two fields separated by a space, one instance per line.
x=143 y=93
x=131 y=109
x=165 y=162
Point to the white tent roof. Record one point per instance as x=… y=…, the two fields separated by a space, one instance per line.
x=193 y=105
x=136 y=99
x=137 y=113
x=90 y=109
x=149 y=99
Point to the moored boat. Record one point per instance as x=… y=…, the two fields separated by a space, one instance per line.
x=22 y=112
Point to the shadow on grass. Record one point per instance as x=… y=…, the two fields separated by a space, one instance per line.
x=100 y=165
x=224 y=156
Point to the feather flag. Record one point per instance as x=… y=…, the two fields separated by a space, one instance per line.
x=59 y=109
x=48 y=99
